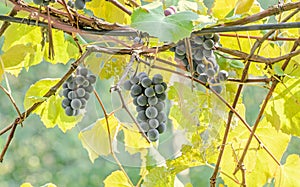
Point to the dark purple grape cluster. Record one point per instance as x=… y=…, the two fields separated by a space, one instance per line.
x=43 y=2
x=149 y=98
x=77 y=90
x=205 y=66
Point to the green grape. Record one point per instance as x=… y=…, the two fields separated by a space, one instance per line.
x=72 y=85
x=161 y=128
x=144 y=126
x=203 y=77
x=208 y=44
x=208 y=53
x=153 y=123
x=91 y=78
x=161 y=97
x=152 y=100
x=66 y=92
x=76 y=104
x=66 y=102
x=210 y=72
x=127 y=85
x=159 y=88
x=216 y=38
x=142 y=116
x=208 y=36
x=223 y=75
x=146 y=82
x=139 y=108
x=80 y=92
x=157 y=79
x=79 y=80
x=82 y=71
x=38 y=2
x=134 y=80
x=151 y=112
x=149 y=92
x=160 y=106
x=161 y=117
x=153 y=135
x=135 y=101
x=136 y=90
x=142 y=100
x=86 y=96
x=72 y=95
x=69 y=111
x=198 y=40
x=83 y=102
x=89 y=89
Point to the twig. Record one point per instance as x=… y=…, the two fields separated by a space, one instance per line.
x=258 y=37
x=6 y=24
x=109 y=138
x=11 y=99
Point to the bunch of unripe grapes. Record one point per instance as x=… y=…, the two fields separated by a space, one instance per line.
x=149 y=98
x=204 y=63
x=78 y=4
x=77 y=90
x=44 y=2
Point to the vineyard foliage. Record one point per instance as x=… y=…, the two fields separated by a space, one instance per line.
x=235 y=137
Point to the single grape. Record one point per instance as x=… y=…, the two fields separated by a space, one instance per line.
x=142 y=75
x=139 y=108
x=159 y=88
x=216 y=38
x=89 y=89
x=161 y=97
x=70 y=3
x=134 y=80
x=207 y=53
x=151 y=112
x=72 y=95
x=173 y=8
x=69 y=111
x=144 y=126
x=157 y=79
x=164 y=85
x=153 y=123
x=83 y=102
x=153 y=135
x=161 y=117
x=72 y=85
x=208 y=44
x=66 y=102
x=180 y=50
x=149 y=92
x=79 y=80
x=208 y=36
x=86 y=96
x=203 y=77
x=223 y=75
x=216 y=88
x=146 y=82
x=161 y=128
x=38 y=2
x=91 y=78
x=160 y=106
x=66 y=92
x=76 y=104
x=180 y=57
x=80 y=92
x=200 y=68
x=198 y=40
x=136 y=89
x=85 y=83
x=210 y=72
x=152 y=100
x=142 y=100
x=79 y=4
x=198 y=55
x=142 y=116
x=82 y=71
x=127 y=85
x=134 y=101
x=168 y=12
x=65 y=85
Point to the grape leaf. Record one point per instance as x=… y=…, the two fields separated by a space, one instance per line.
x=116 y=179
x=134 y=141
x=95 y=138
x=159 y=176
x=50 y=111
x=243 y=6
x=221 y=8
x=151 y=19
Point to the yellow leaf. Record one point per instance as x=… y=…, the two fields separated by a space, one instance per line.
x=95 y=138
x=243 y=6
x=222 y=7
x=134 y=141
x=26 y=184
x=116 y=179
x=288 y=174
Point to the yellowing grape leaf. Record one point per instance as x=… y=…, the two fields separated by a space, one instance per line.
x=243 y=6
x=50 y=111
x=134 y=141
x=95 y=138
x=288 y=174
x=117 y=179
x=221 y=8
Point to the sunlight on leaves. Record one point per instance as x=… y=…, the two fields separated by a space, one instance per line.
x=116 y=179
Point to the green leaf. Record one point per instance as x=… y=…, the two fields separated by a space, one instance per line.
x=278 y=71
x=151 y=19
x=95 y=138
x=288 y=174
x=50 y=111
x=116 y=179
x=236 y=64
x=159 y=176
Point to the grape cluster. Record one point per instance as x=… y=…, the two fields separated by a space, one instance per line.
x=78 y=4
x=149 y=98
x=76 y=91
x=204 y=64
x=43 y=2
